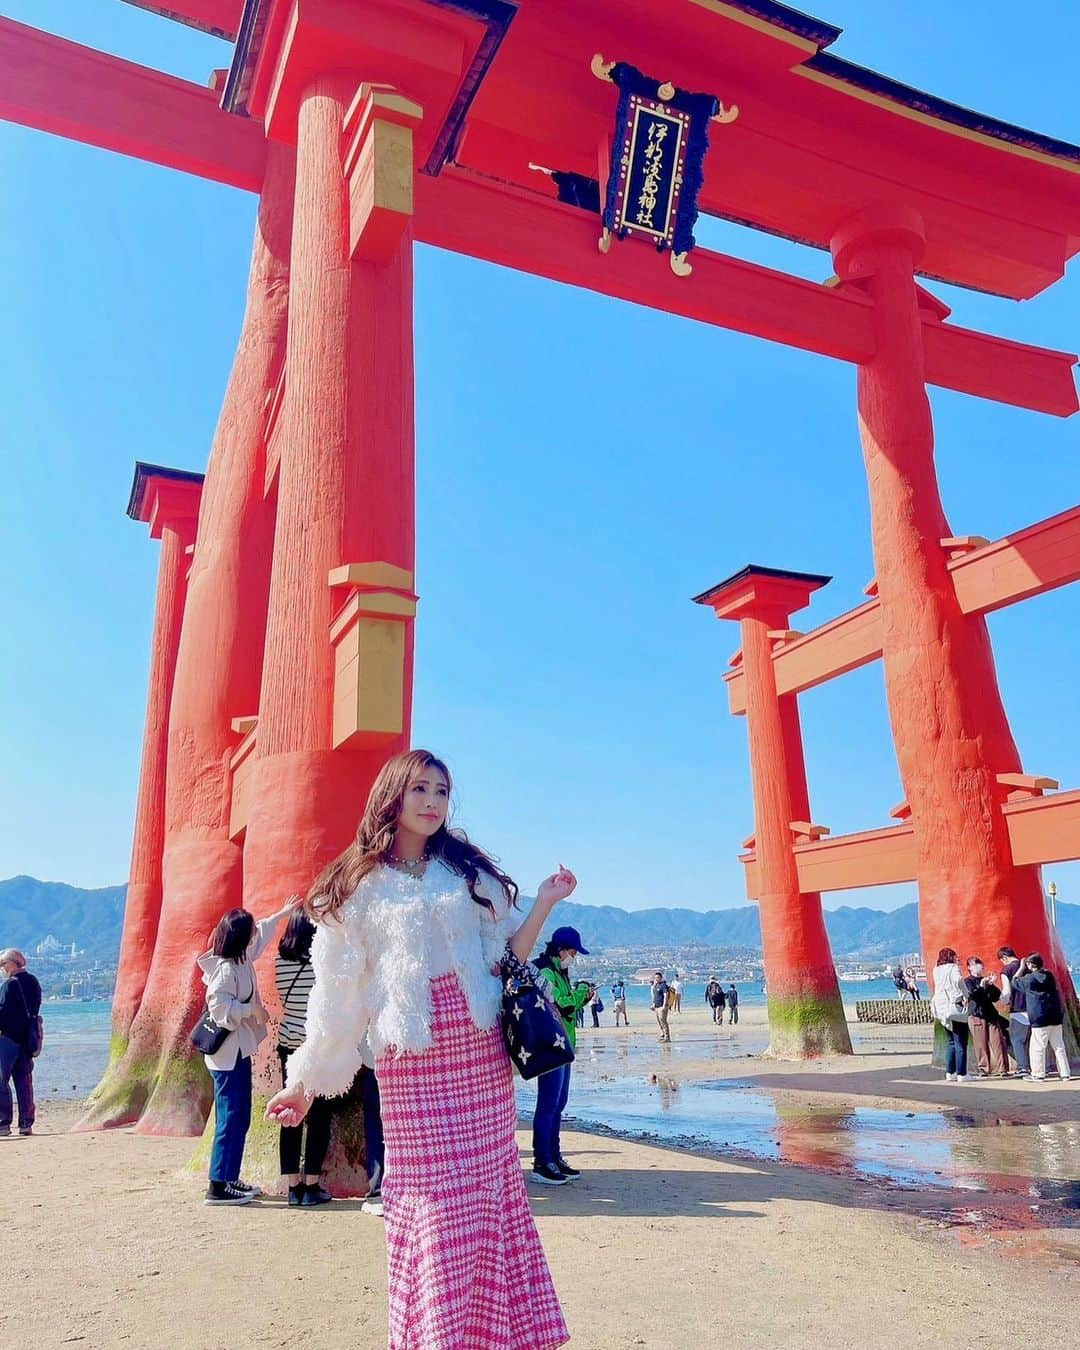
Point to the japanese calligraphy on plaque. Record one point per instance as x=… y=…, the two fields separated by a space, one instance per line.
x=651 y=164
x=657 y=161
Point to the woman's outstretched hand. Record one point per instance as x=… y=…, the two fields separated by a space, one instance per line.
x=557 y=887
x=548 y=894
x=289 y=1106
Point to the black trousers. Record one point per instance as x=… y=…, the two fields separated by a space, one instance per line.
x=291 y=1143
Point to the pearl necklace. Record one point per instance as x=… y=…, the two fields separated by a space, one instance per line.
x=413 y=867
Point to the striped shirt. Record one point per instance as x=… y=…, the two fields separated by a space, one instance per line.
x=294 y=981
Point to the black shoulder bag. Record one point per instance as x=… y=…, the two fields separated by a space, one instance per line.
x=533 y=1032
x=206 y=1036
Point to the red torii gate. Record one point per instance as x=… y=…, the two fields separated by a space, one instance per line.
x=367 y=124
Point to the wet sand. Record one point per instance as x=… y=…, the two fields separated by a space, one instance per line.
x=786 y=1236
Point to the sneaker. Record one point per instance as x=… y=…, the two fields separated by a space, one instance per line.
x=547 y=1174
x=226 y=1193
x=296 y=1193
x=253 y=1191
x=568 y=1172
x=373 y=1205
x=950 y=1078
x=314 y=1194
x=5 y=1133
x=27 y=1132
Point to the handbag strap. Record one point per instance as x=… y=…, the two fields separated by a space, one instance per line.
x=288 y=995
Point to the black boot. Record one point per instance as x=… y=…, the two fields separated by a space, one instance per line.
x=296 y=1193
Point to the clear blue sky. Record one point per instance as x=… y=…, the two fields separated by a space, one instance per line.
x=561 y=668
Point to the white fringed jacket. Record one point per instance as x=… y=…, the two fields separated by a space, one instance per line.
x=375 y=963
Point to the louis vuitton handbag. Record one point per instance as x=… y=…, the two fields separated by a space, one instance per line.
x=532 y=1030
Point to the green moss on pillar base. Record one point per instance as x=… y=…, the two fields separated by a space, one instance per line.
x=181 y=1098
x=343 y=1174
x=122 y=1094
x=941 y=1045
x=806 y=1027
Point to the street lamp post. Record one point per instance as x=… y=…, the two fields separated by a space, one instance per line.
x=1052 y=892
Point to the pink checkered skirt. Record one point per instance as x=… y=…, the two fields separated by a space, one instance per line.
x=466 y=1268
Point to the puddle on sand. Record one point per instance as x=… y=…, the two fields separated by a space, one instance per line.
x=905 y=1148
x=1022 y=1175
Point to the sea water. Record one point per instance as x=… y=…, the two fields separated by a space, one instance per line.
x=77 y=1034
x=750 y=994
x=76 y=1049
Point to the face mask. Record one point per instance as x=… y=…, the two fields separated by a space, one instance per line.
x=977 y=970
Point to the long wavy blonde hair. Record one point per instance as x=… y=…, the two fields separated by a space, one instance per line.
x=374 y=842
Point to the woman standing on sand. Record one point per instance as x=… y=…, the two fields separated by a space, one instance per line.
x=950 y=1007
x=412 y=920
x=232 y=998
x=294 y=977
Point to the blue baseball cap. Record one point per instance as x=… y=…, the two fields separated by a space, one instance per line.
x=568 y=937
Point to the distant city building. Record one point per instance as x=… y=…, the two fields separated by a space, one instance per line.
x=48 y=947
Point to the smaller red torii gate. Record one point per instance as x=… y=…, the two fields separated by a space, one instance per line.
x=789 y=862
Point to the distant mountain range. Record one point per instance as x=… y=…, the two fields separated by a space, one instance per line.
x=31 y=909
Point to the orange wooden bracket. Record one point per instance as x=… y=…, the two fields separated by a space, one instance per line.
x=902 y=811
x=379 y=167
x=241 y=772
x=807 y=833
x=870 y=588
x=735 y=659
x=243 y=725
x=964 y=543
x=750 y=841
x=782 y=635
x=369 y=637
x=1024 y=785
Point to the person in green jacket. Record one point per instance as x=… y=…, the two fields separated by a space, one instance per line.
x=550 y=1168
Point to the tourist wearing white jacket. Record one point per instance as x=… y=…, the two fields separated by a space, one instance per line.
x=232 y=999
x=949 y=1005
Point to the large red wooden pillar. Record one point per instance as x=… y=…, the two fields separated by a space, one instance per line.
x=219 y=664
x=337 y=674
x=168 y=501
x=806 y=1015
x=336 y=688
x=949 y=726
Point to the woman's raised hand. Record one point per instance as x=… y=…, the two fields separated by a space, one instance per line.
x=557 y=887
x=289 y=1106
